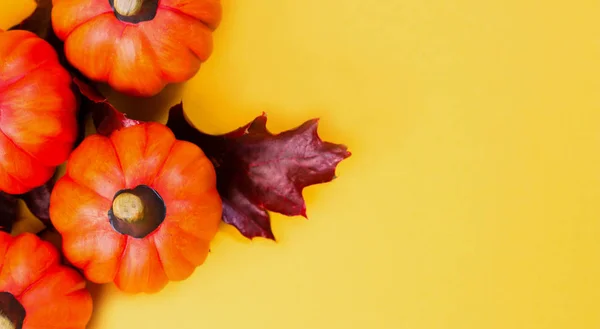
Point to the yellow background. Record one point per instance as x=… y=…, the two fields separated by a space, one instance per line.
x=471 y=198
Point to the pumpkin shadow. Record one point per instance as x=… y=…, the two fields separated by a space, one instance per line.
x=97 y=291
x=155 y=108
x=231 y=233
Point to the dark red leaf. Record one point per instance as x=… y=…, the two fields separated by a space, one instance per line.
x=38 y=202
x=8 y=211
x=106 y=117
x=258 y=171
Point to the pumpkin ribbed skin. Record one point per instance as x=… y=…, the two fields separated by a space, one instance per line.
x=143 y=155
x=37 y=112
x=53 y=295
x=137 y=58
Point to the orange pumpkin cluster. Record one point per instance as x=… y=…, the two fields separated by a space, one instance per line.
x=137 y=207
x=138 y=204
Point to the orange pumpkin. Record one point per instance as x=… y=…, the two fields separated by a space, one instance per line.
x=138 y=208
x=37 y=112
x=35 y=290
x=137 y=46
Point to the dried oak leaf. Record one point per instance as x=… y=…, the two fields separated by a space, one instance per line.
x=8 y=211
x=106 y=117
x=38 y=201
x=258 y=171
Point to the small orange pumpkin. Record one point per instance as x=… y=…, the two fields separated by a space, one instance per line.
x=38 y=124
x=138 y=208
x=137 y=46
x=35 y=290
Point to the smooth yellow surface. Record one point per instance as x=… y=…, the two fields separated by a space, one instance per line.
x=471 y=198
x=12 y=12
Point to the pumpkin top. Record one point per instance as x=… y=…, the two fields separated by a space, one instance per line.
x=137 y=46
x=137 y=212
x=149 y=201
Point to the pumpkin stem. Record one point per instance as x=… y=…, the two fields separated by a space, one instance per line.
x=12 y=312
x=128 y=207
x=5 y=323
x=128 y=7
x=137 y=212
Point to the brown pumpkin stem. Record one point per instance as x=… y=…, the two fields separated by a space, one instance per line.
x=137 y=212
x=128 y=207
x=128 y=7
x=5 y=323
x=12 y=312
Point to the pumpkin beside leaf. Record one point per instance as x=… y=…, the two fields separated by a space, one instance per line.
x=138 y=208
x=37 y=112
x=36 y=291
x=137 y=46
